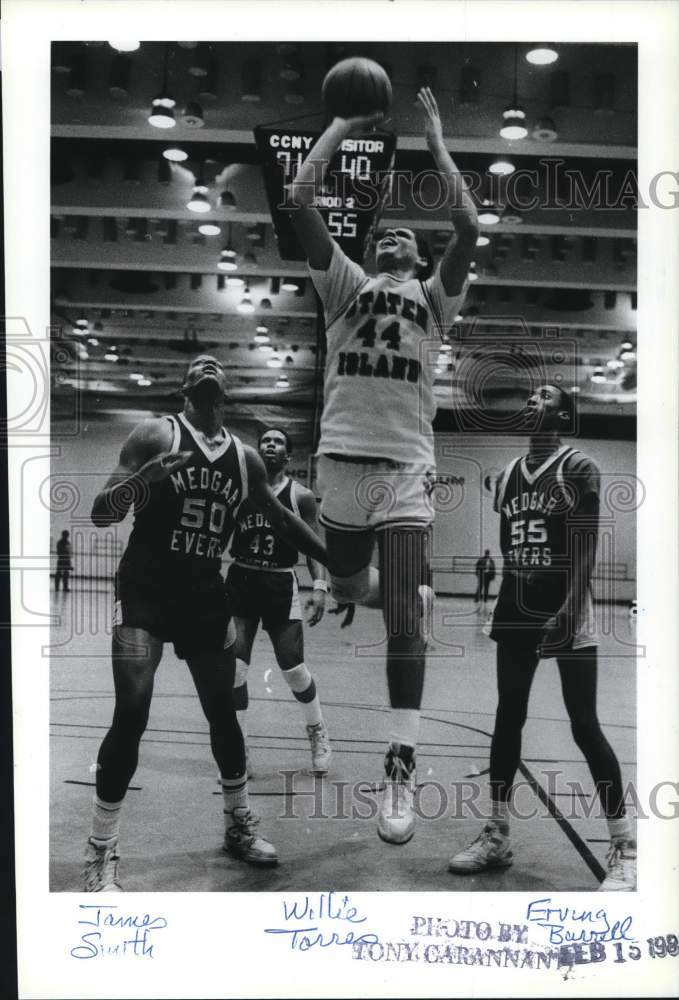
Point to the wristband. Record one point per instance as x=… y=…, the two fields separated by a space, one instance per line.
x=321 y=585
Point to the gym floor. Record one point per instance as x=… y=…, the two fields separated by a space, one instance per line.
x=324 y=828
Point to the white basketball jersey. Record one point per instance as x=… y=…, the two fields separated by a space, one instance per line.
x=383 y=336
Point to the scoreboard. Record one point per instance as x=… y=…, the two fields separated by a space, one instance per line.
x=355 y=186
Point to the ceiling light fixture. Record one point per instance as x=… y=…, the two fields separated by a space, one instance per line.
x=111 y=357
x=144 y=381
x=489 y=215
x=274 y=361
x=245 y=305
x=193 y=116
x=209 y=229
x=199 y=200
x=261 y=328
x=545 y=130
x=542 y=56
x=175 y=154
x=482 y=241
x=501 y=168
x=162 y=108
x=472 y=275
x=226 y=263
x=514 y=117
x=125 y=46
x=235 y=282
x=282 y=382
x=288 y=286
x=135 y=376
x=93 y=341
x=445 y=346
x=265 y=348
x=598 y=375
x=262 y=338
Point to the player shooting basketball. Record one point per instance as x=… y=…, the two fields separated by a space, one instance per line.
x=376 y=447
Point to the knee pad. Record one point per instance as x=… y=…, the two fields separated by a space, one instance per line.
x=241 y=673
x=298 y=678
x=355 y=588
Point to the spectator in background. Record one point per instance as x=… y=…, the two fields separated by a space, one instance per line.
x=485 y=574
x=64 y=565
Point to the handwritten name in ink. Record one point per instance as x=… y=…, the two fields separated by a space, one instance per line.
x=567 y=924
x=116 y=934
x=322 y=921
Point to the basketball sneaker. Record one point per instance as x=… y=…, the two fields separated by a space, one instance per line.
x=621 y=873
x=320 y=748
x=491 y=849
x=101 y=867
x=396 y=816
x=241 y=840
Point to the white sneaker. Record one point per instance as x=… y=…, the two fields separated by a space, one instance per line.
x=621 y=874
x=396 y=816
x=491 y=849
x=241 y=840
x=101 y=867
x=320 y=748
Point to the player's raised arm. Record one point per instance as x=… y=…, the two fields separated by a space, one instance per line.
x=455 y=262
x=145 y=458
x=307 y=220
x=286 y=524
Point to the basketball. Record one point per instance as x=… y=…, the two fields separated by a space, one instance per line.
x=356 y=86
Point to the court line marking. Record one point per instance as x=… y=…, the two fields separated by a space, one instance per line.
x=93 y=784
x=83 y=696
x=577 y=841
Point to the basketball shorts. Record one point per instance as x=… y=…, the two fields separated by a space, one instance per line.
x=269 y=596
x=194 y=615
x=359 y=495
x=522 y=610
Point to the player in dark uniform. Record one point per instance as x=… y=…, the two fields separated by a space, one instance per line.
x=548 y=503
x=263 y=587
x=186 y=477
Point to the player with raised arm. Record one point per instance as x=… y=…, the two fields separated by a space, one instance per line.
x=376 y=447
x=548 y=502
x=186 y=477
x=262 y=584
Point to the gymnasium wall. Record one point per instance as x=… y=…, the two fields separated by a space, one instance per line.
x=466 y=523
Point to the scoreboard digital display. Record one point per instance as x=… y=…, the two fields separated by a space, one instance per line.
x=354 y=189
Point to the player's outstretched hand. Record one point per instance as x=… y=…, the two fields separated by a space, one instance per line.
x=316 y=606
x=433 y=130
x=362 y=123
x=163 y=465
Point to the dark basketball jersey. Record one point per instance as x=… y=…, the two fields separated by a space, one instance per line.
x=184 y=523
x=536 y=508
x=254 y=542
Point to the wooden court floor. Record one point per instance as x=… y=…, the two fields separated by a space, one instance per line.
x=324 y=829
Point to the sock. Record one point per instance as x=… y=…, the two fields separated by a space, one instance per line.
x=303 y=687
x=235 y=793
x=499 y=815
x=105 y=820
x=620 y=828
x=405 y=727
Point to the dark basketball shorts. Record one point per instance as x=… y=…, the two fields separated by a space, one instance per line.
x=522 y=610
x=195 y=615
x=269 y=596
